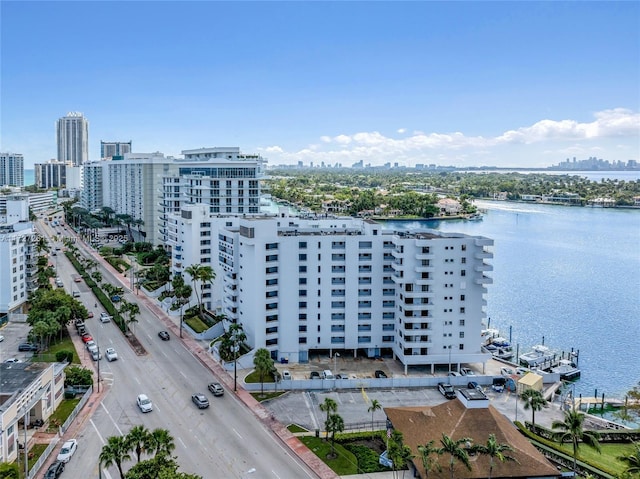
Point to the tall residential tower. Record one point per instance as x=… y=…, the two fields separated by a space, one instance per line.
x=72 y=135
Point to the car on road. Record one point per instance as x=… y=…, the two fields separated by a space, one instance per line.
x=27 y=347
x=380 y=374
x=164 y=335
x=447 y=390
x=86 y=338
x=78 y=279
x=12 y=360
x=111 y=354
x=90 y=314
x=54 y=470
x=144 y=403
x=200 y=400
x=1 y=338
x=115 y=298
x=76 y=294
x=314 y=375
x=216 y=389
x=104 y=317
x=67 y=450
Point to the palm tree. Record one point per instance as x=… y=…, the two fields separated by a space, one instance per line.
x=97 y=276
x=571 y=429
x=207 y=275
x=194 y=271
x=115 y=451
x=334 y=424
x=535 y=400
x=132 y=310
x=138 y=440
x=398 y=452
x=375 y=406
x=263 y=364
x=161 y=443
x=429 y=463
x=329 y=406
x=632 y=459
x=494 y=450
x=456 y=450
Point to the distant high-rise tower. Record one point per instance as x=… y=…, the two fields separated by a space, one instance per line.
x=72 y=134
x=11 y=169
x=109 y=149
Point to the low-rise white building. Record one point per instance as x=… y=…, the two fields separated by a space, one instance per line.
x=319 y=286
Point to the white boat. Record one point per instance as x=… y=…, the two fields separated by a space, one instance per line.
x=567 y=369
x=475 y=217
x=538 y=355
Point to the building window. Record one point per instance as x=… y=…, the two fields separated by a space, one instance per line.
x=302 y=280
x=302 y=328
x=302 y=305
x=271 y=270
x=462 y=322
x=463 y=272
x=462 y=310
x=302 y=292
x=302 y=316
x=271 y=294
x=461 y=334
x=302 y=269
x=302 y=245
x=364 y=339
x=302 y=340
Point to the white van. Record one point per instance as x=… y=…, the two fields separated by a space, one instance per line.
x=76 y=294
x=327 y=374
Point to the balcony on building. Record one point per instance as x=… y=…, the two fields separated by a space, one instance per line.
x=483 y=267
x=484 y=279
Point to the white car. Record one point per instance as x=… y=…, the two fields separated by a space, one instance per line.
x=111 y=354
x=1 y=338
x=144 y=403
x=507 y=371
x=12 y=360
x=67 y=450
x=90 y=345
x=104 y=317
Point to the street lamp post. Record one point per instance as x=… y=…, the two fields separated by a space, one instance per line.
x=181 y=315
x=335 y=362
x=449 y=347
x=235 y=361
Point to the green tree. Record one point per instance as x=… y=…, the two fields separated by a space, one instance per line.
x=264 y=365
x=375 y=406
x=535 y=400
x=632 y=460
x=193 y=271
x=333 y=425
x=571 y=429
x=158 y=468
x=457 y=451
x=131 y=310
x=495 y=451
x=78 y=376
x=9 y=471
x=115 y=451
x=161 y=443
x=329 y=406
x=428 y=462
x=207 y=275
x=138 y=440
x=398 y=452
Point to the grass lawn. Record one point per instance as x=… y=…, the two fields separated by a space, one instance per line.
x=344 y=464
x=253 y=377
x=295 y=428
x=65 y=344
x=196 y=324
x=267 y=395
x=607 y=459
x=63 y=411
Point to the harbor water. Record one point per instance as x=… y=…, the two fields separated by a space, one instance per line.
x=565 y=276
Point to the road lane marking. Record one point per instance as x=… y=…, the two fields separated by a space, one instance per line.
x=274 y=473
x=183 y=374
x=97 y=431
x=182 y=442
x=110 y=417
x=237 y=433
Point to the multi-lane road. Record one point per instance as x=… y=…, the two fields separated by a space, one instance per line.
x=224 y=441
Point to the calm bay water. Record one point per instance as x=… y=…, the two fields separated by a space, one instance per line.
x=568 y=274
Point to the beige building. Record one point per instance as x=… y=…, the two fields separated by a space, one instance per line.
x=27 y=390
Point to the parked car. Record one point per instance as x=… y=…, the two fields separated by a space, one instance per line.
x=79 y=322
x=144 y=403
x=164 y=335
x=200 y=400
x=216 y=389
x=474 y=385
x=12 y=360
x=111 y=354
x=54 y=470
x=67 y=450
x=498 y=384
x=86 y=338
x=314 y=375
x=467 y=372
x=447 y=390
x=286 y=374
x=90 y=344
x=76 y=294
x=1 y=338
x=95 y=354
x=27 y=347
x=380 y=374
x=507 y=371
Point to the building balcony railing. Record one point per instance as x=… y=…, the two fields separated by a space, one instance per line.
x=484 y=279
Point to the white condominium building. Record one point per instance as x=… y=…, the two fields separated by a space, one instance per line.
x=11 y=169
x=306 y=286
x=52 y=174
x=72 y=135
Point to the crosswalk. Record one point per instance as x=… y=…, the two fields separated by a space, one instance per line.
x=107 y=378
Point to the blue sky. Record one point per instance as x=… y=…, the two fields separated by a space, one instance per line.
x=452 y=83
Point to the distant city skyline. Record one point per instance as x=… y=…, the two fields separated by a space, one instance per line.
x=520 y=84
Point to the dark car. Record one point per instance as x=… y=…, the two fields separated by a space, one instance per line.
x=27 y=347
x=216 y=389
x=200 y=400
x=54 y=470
x=380 y=374
x=314 y=375
x=164 y=335
x=447 y=390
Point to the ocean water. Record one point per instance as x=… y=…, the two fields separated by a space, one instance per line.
x=29 y=177
x=568 y=275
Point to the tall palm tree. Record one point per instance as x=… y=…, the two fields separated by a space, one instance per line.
x=193 y=270
x=138 y=440
x=161 y=442
x=456 y=450
x=207 y=275
x=329 y=406
x=131 y=310
x=398 y=452
x=263 y=364
x=334 y=424
x=535 y=400
x=495 y=451
x=571 y=429
x=632 y=459
x=429 y=463
x=115 y=451
x=375 y=406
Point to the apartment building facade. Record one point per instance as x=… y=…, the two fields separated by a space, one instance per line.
x=319 y=286
x=52 y=174
x=72 y=137
x=111 y=149
x=11 y=169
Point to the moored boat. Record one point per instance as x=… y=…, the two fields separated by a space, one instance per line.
x=538 y=355
x=567 y=369
x=475 y=217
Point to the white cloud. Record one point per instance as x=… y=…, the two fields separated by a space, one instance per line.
x=551 y=136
